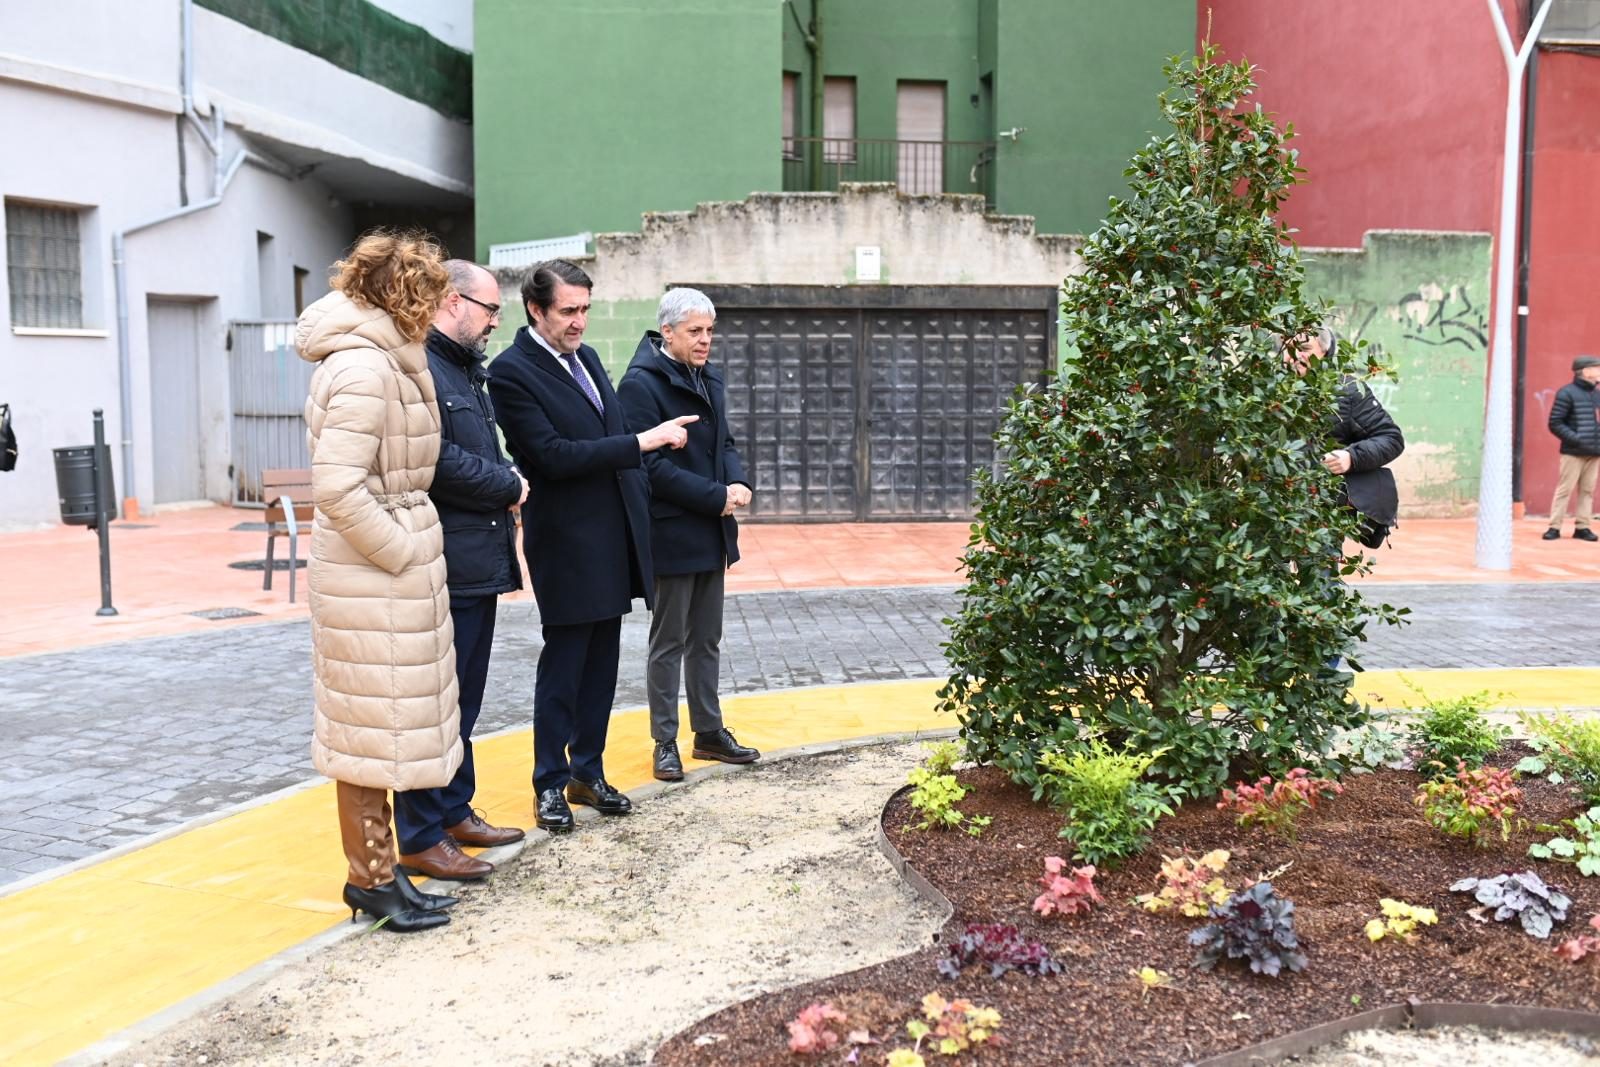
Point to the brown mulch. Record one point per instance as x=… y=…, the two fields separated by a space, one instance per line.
x=1351 y=851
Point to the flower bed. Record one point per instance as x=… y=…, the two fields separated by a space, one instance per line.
x=1349 y=853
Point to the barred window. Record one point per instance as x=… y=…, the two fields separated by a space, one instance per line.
x=44 y=265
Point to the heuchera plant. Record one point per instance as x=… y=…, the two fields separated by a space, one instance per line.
x=953 y=1025
x=812 y=1030
x=1523 y=896
x=1399 y=920
x=1256 y=925
x=1581 y=845
x=1568 y=750
x=1000 y=946
x=1190 y=886
x=1277 y=805
x=1067 y=894
x=1470 y=803
x=1575 y=948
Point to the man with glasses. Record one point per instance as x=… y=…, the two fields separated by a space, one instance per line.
x=475 y=490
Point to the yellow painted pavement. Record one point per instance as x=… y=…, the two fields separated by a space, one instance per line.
x=96 y=950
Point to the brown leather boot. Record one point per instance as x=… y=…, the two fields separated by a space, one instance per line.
x=475 y=832
x=446 y=861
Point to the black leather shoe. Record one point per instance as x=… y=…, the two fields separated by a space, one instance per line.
x=1552 y=534
x=722 y=747
x=1584 y=534
x=388 y=903
x=668 y=765
x=554 y=815
x=599 y=795
x=421 y=901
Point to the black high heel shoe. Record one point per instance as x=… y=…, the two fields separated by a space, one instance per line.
x=389 y=902
x=421 y=901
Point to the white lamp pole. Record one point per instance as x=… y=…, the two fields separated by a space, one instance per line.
x=1494 y=485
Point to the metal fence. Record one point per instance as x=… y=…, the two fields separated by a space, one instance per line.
x=268 y=383
x=819 y=164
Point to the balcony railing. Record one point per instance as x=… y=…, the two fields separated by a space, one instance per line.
x=819 y=164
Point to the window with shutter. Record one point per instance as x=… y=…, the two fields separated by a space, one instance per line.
x=919 y=125
x=44 y=265
x=839 y=120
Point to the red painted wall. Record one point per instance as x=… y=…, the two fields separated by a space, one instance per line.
x=1564 y=278
x=1400 y=110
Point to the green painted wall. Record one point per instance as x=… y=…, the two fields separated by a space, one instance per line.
x=1424 y=299
x=1081 y=79
x=591 y=112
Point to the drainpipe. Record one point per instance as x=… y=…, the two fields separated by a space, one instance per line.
x=1524 y=265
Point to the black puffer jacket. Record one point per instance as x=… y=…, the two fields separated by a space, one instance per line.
x=1575 y=418
x=1364 y=429
x=473 y=484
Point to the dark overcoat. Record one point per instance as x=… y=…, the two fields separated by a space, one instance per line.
x=1364 y=429
x=689 y=485
x=473 y=483
x=586 y=522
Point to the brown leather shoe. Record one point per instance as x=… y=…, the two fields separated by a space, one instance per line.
x=475 y=832
x=446 y=861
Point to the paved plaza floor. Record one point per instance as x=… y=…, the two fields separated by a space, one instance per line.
x=162 y=830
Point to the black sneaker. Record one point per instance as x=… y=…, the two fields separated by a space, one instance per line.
x=1584 y=534
x=668 y=765
x=1553 y=534
x=721 y=746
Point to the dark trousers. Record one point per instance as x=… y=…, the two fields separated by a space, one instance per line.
x=685 y=640
x=421 y=815
x=572 y=698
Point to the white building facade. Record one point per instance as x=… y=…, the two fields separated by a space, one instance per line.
x=172 y=169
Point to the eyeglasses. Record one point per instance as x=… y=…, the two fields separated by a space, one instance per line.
x=492 y=309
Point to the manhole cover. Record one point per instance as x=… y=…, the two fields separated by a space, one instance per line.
x=224 y=613
x=261 y=565
x=133 y=526
x=249 y=527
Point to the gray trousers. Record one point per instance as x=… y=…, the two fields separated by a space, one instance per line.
x=686 y=635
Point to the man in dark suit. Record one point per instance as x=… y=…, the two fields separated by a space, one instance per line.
x=474 y=488
x=586 y=531
x=693 y=536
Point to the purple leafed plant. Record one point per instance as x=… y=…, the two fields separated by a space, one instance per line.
x=1000 y=946
x=1255 y=924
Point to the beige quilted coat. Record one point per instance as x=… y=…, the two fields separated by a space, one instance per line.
x=382 y=643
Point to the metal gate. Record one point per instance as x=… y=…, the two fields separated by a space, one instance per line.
x=874 y=402
x=268 y=383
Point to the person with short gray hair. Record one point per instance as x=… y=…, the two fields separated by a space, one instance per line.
x=694 y=537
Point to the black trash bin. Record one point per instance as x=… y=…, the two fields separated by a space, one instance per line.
x=75 y=484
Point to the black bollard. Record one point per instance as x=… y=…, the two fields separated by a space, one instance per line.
x=104 y=511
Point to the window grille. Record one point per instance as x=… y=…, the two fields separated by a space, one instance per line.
x=44 y=265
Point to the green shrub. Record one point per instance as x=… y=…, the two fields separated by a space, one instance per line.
x=935 y=792
x=1155 y=561
x=1450 y=733
x=1109 y=807
x=1568 y=750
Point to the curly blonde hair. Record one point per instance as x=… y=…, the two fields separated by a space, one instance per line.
x=398 y=272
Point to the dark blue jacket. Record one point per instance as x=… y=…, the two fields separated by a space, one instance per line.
x=473 y=484
x=1575 y=418
x=689 y=485
x=586 y=523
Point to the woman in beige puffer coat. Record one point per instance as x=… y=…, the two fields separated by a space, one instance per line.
x=382 y=646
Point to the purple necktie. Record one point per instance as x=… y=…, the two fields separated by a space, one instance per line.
x=571 y=360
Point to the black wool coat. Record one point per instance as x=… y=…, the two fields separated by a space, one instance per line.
x=689 y=485
x=1364 y=429
x=1575 y=418
x=586 y=523
x=473 y=483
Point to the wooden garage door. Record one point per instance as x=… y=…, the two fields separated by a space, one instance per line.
x=874 y=402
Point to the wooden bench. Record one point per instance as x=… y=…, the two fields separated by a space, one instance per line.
x=288 y=497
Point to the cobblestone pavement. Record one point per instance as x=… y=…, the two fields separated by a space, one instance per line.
x=111 y=743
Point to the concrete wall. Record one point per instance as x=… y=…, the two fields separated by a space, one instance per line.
x=1422 y=298
x=590 y=112
x=91 y=90
x=803 y=239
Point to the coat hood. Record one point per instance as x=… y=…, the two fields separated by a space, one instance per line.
x=337 y=324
